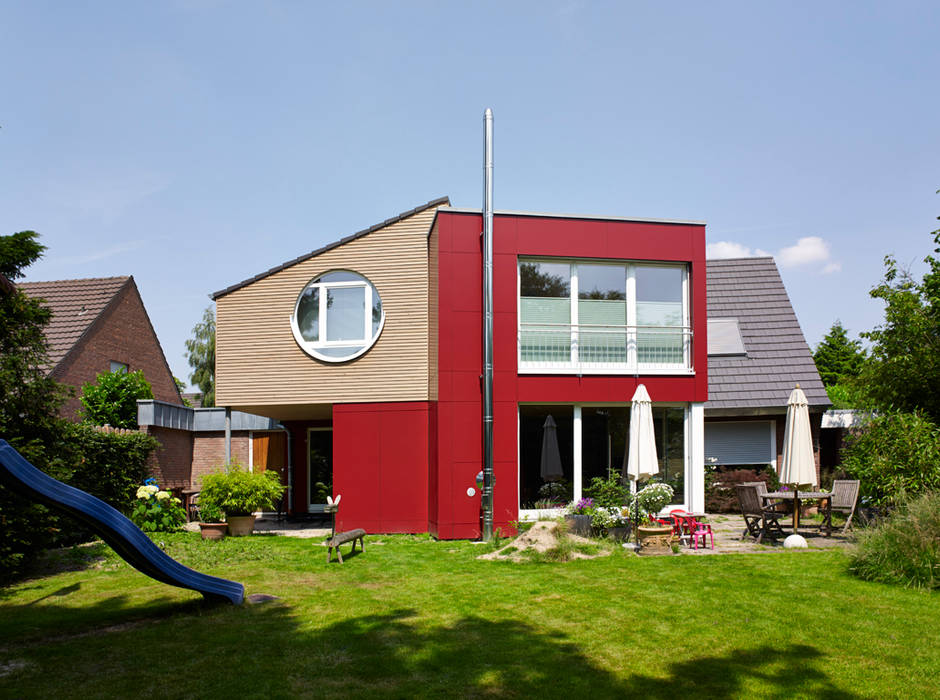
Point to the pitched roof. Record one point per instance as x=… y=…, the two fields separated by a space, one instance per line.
x=306 y=256
x=777 y=356
x=75 y=305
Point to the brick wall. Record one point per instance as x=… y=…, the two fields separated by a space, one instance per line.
x=171 y=463
x=123 y=333
x=209 y=452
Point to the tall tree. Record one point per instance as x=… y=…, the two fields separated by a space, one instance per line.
x=200 y=351
x=838 y=358
x=903 y=370
x=29 y=400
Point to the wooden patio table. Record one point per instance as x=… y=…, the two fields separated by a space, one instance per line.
x=797 y=497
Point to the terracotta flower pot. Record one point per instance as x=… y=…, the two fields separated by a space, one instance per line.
x=655 y=539
x=213 y=531
x=240 y=525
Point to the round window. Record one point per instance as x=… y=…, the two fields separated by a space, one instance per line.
x=338 y=316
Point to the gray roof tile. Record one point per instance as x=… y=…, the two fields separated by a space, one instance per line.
x=751 y=290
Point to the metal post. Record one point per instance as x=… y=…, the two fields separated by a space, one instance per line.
x=228 y=436
x=487 y=496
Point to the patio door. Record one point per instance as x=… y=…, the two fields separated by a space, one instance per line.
x=319 y=468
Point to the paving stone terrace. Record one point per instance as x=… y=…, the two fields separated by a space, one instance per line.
x=727 y=529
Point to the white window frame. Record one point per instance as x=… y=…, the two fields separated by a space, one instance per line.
x=632 y=364
x=364 y=344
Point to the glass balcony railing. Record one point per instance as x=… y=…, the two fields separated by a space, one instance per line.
x=617 y=348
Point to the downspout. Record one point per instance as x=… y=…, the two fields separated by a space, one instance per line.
x=290 y=466
x=487 y=496
x=228 y=436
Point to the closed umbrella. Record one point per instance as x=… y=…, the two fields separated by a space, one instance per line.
x=641 y=453
x=641 y=450
x=550 y=466
x=799 y=461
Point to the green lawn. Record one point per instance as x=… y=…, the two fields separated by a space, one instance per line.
x=414 y=617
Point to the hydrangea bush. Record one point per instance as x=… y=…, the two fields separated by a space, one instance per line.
x=156 y=510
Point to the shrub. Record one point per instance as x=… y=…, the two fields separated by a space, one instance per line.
x=610 y=492
x=905 y=548
x=892 y=455
x=720 y=494
x=240 y=492
x=113 y=400
x=156 y=510
x=106 y=465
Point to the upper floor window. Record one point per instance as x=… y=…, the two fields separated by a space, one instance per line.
x=118 y=366
x=338 y=316
x=602 y=317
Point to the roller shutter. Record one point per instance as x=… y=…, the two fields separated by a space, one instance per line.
x=745 y=442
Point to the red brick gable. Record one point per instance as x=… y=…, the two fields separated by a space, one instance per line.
x=95 y=322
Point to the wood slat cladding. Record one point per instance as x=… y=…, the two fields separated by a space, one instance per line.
x=258 y=362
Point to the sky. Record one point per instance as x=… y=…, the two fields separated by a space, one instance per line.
x=195 y=143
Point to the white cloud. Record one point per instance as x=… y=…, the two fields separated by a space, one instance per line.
x=807 y=250
x=730 y=249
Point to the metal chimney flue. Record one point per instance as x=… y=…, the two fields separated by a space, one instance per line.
x=487 y=495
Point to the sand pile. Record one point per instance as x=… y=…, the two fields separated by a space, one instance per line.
x=541 y=537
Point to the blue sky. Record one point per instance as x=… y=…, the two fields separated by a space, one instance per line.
x=195 y=143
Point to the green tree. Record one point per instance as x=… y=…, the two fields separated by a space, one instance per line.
x=113 y=400
x=903 y=370
x=29 y=400
x=200 y=351
x=838 y=358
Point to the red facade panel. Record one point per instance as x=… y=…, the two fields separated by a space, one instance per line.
x=380 y=466
x=460 y=341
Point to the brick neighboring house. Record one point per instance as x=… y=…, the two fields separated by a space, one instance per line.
x=756 y=355
x=99 y=325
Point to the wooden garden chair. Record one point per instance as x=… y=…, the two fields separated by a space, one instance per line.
x=759 y=520
x=844 y=498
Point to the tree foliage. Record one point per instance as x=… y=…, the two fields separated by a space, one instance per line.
x=113 y=400
x=903 y=370
x=29 y=400
x=838 y=358
x=894 y=455
x=200 y=352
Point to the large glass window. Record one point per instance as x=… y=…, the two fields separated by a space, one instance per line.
x=545 y=290
x=659 y=314
x=603 y=316
x=603 y=433
x=338 y=316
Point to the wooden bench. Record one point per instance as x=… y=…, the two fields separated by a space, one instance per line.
x=341 y=538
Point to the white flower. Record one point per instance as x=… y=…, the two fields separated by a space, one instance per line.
x=143 y=493
x=163 y=495
x=151 y=489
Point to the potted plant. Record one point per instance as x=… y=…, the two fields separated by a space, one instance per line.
x=618 y=528
x=212 y=523
x=578 y=516
x=653 y=537
x=239 y=493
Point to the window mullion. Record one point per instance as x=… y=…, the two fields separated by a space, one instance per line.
x=573 y=313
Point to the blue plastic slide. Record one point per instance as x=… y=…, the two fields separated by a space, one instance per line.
x=121 y=534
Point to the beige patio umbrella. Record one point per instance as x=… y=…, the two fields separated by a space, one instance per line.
x=641 y=449
x=641 y=454
x=799 y=462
